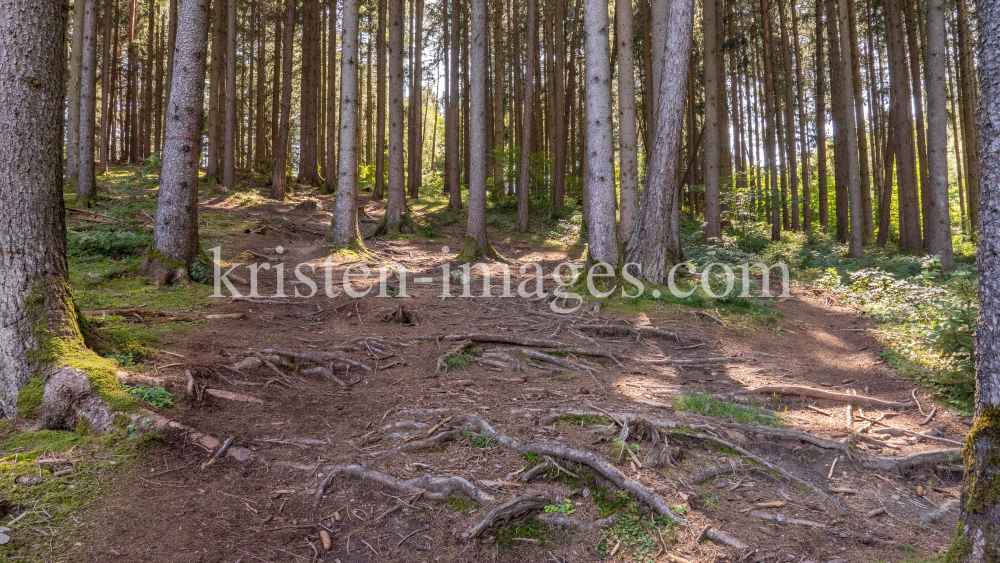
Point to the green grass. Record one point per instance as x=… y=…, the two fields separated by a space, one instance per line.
x=156 y=396
x=703 y=403
x=585 y=419
x=530 y=529
x=459 y=504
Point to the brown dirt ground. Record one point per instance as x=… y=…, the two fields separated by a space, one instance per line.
x=262 y=511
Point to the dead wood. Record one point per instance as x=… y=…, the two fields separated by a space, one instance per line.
x=719 y=536
x=912 y=432
x=715 y=471
x=503 y=514
x=933 y=457
x=434 y=488
x=221 y=452
x=814 y=393
x=578 y=525
x=533 y=343
x=929 y=417
x=535 y=471
x=229 y=396
x=781 y=519
x=705 y=315
x=789 y=434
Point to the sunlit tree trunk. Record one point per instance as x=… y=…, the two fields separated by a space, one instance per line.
x=528 y=104
x=344 y=229
x=278 y=178
x=938 y=221
x=713 y=210
x=87 y=184
x=628 y=152
x=73 y=97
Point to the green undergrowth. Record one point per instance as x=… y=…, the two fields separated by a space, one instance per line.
x=459 y=504
x=55 y=510
x=584 y=419
x=703 y=403
x=529 y=529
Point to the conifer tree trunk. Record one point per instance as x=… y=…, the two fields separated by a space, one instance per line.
x=839 y=113
x=713 y=210
x=558 y=98
x=87 y=184
x=912 y=43
x=970 y=98
x=476 y=242
x=938 y=223
x=332 y=154
x=901 y=111
x=656 y=239
x=452 y=180
x=770 y=114
x=344 y=228
x=528 y=101
x=175 y=234
x=416 y=93
x=308 y=89
x=229 y=151
x=857 y=238
x=380 y=102
x=147 y=82
x=158 y=90
x=499 y=73
x=885 y=204
x=73 y=98
x=216 y=87
x=977 y=536
x=601 y=224
x=260 y=127
x=800 y=90
x=281 y=145
x=821 y=173
x=110 y=9
x=629 y=164
x=864 y=169
x=791 y=164
x=395 y=212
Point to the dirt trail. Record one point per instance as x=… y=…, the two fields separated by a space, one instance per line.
x=170 y=509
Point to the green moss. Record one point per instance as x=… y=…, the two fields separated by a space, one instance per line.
x=530 y=529
x=459 y=504
x=983 y=480
x=30 y=397
x=960 y=547
x=101 y=372
x=703 y=403
x=83 y=428
x=588 y=419
x=472 y=251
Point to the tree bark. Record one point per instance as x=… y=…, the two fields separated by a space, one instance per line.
x=901 y=111
x=977 y=536
x=216 y=89
x=601 y=224
x=629 y=163
x=147 y=83
x=86 y=187
x=656 y=239
x=558 y=99
x=395 y=213
x=968 y=91
x=229 y=143
x=414 y=178
x=770 y=114
x=111 y=9
x=528 y=101
x=912 y=43
x=157 y=138
x=476 y=242
x=308 y=127
x=73 y=98
x=175 y=235
x=452 y=180
x=938 y=221
x=803 y=139
x=885 y=204
x=857 y=239
x=713 y=210
x=278 y=177
x=791 y=164
x=852 y=56
x=821 y=173
x=344 y=228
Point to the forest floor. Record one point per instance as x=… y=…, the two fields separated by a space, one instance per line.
x=415 y=394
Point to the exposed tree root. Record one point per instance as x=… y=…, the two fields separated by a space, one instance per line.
x=416 y=445
x=434 y=488
x=503 y=514
x=930 y=458
x=229 y=396
x=621 y=330
x=715 y=471
x=318 y=357
x=533 y=343
x=719 y=536
x=206 y=441
x=319 y=370
x=813 y=393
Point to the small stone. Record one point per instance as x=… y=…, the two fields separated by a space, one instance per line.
x=788 y=557
x=586 y=492
x=4 y=538
x=896 y=497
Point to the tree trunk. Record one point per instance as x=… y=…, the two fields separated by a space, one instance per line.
x=659 y=25
x=770 y=113
x=852 y=56
x=977 y=536
x=967 y=89
x=629 y=164
x=499 y=73
x=791 y=164
x=276 y=84
x=901 y=111
x=216 y=87
x=110 y=9
x=147 y=82
x=229 y=152
x=158 y=90
x=175 y=235
x=713 y=210
x=839 y=113
x=800 y=91
x=308 y=127
x=476 y=242
x=332 y=157
x=821 y=174
x=452 y=181
x=416 y=92
x=558 y=97
x=260 y=127
x=601 y=224
x=395 y=212
x=87 y=184
x=885 y=204
x=656 y=239
x=857 y=239
x=73 y=98
x=344 y=228
x=281 y=148
x=938 y=221
x=912 y=42
x=528 y=100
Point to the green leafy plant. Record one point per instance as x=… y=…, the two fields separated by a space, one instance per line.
x=565 y=508
x=156 y=396
x=480 y=441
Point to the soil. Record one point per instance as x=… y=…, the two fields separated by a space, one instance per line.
x=170 y=508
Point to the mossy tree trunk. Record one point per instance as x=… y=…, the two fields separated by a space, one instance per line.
x=977 y=536
x=38 y=323
x=175 y=235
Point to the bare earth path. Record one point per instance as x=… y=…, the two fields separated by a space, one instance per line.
x=265 y=509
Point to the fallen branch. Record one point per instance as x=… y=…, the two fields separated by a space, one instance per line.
x=932 y=457
x=929 y=417
x=781 y=519
x=719 y=536
x=506 y=512
x=814 y=393
x=222 y=451
x=912 y=432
